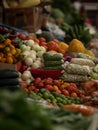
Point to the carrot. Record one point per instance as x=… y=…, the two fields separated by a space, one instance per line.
x=83 y=109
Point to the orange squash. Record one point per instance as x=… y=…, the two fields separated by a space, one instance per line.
x=76 y=46
x=63 y=47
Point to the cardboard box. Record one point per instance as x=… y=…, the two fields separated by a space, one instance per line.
x=10 y=66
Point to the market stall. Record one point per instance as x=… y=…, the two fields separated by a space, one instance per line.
x=47 y=82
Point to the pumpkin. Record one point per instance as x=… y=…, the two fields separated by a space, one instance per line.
x=76 y=46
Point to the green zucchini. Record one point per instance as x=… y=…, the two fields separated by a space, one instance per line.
x=6 y=73
x=52 y=56
x=53 y=63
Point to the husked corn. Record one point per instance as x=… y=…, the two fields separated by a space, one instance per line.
x=82 y=61
x=74 y=77
x=85 y=56
x=78 y=69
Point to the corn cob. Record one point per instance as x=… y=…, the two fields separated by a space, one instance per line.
x=94 y=75
x=78 y=69
x=74 y=77
x=82 y=61
x=95 y=69
x=85 y=56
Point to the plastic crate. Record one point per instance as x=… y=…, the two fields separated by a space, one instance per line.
x=55 y=74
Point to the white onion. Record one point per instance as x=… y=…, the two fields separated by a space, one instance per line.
x=40 y=53
x=36 y=64
x=42 y=49
x=28 y=61
x=23 y=47
x=28 y=81
x=25 y=76
x=36 y=47
x=30 y=43
x=28 y=48
x=25 y=54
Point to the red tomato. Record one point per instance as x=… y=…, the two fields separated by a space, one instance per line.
x=22 y=36
x=55 y=40
x=58 y=91
x=37 y=81
x=65 y=92
x=43 y=44
x=48 y=81
x=49 y=87
x=31 y=87
x=53 y=46
x=23 y=85
x=40 y=84
x=29 y=37
x=36 y=40
x=42 y=39
x=36 y=90
x=26 y=90
x=57 y=82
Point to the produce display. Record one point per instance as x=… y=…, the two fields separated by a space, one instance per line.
x=26 y=114
x=71 y=96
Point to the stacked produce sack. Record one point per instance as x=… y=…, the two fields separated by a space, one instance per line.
x=81 y=68
x=9 y=79
x=53 y=60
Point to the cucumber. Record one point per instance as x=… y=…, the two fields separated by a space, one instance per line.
x=6 y=73
x=52 y=56
x=10 y=81
x=53 y=63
